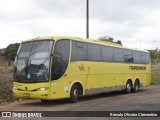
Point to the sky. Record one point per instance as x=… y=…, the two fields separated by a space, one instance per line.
x=135 y=22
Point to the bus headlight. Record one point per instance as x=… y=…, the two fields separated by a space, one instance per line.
x=15 y=88
x=42 y=89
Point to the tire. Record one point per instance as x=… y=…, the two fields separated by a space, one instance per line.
x=44 y=101
x=74 y=94
x=136 y=86
x=128 y=88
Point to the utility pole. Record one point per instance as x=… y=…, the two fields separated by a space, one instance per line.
x=87 y=19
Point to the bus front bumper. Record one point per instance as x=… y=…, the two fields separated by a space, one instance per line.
x=31 y=94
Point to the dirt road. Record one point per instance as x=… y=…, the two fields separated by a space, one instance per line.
x=147 y=99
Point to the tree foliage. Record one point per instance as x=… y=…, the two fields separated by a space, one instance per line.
x=11 y=49
x=155 y=55
x=106 y=38
x=109 y=39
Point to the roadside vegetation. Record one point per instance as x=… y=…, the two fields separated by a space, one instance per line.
x=155 y=74
x=6 y=84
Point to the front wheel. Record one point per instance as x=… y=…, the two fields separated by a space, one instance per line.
x=74 y=94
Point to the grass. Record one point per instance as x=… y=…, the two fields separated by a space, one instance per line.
x=6 y=85
x=6 y=70
x=155 y=74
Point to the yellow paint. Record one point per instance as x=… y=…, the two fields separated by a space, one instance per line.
x=88 y=74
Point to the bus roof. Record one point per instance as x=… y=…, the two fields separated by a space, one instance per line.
x=56 y=38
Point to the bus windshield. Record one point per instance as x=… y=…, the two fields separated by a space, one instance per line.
x=32 y=61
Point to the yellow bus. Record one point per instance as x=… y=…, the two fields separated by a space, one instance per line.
x=59 y=67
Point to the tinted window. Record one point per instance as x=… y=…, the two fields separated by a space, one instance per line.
x=60 y=58
x=107 y=53
x=118 y=55
x=128 y=56
x=25 y=49
x=137 y=57
x=94 y=52
x=147 y=58
x=79 y=51
x=143 y=58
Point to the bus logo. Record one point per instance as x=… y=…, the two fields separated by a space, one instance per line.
x=81 y=68
x=137 y=68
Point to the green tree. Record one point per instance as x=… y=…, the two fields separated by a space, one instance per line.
x=106 y=38
x=11 y=50
x=119 y=42
x=109 y=39
x=155 y=55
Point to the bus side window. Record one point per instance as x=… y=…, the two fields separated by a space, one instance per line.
x=57 y=61
x=79 y=51
x=118 y=55
x=94 y=52
x=137 y=57
x=107 y=53
x=147 y=58
x=128 y=55
x=143 y=58
x=60 y=59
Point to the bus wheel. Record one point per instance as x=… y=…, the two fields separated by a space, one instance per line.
x=128 y=87
x=44 y=101
x=74 y=94
x=136 y=86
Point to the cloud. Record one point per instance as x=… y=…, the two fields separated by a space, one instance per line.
x=62 y=8
x=126 y=20
x=122 y=10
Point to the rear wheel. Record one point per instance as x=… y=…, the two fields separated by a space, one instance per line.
x=128 y=87
x=74 y=94
x=44 y=101
x=136 y=86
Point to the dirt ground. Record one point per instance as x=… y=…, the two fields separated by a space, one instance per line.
x=147 y=99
